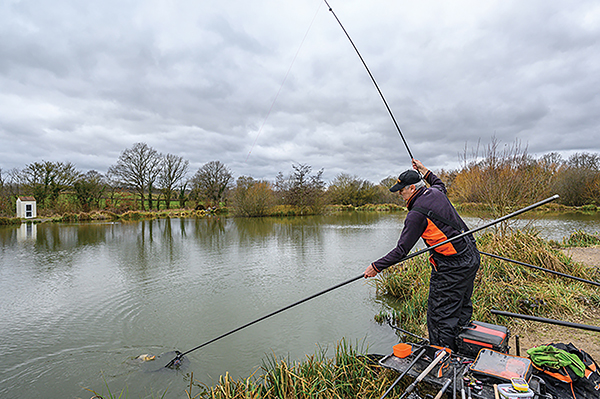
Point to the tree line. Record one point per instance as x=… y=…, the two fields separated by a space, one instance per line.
x=144 y=179
x=510 y=177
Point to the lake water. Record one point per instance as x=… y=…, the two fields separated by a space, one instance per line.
x=80 y=301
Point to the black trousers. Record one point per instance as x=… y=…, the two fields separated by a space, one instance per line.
x=449 y=306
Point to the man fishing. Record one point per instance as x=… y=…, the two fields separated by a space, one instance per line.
x=454 y=265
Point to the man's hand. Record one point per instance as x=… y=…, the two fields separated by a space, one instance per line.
x=371 y=271
x=418 y=166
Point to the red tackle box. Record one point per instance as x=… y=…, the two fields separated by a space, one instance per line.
x=479 y=335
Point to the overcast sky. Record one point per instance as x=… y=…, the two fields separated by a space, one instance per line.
x=260 y=85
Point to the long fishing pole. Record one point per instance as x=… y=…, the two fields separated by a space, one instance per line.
x=373 y=80
x=545 y=320
x=542 y=269
x=173 y=363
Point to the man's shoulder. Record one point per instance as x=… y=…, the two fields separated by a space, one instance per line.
x=430 y=193
x=431 y=199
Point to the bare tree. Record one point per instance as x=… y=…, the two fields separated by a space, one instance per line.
x=137 y=168
x=173 y=171
x=46 y=180
x=182 y=196
x=301 y=188
x=503 y=179
x=89 y=189
x=4 y=201
x=212 y=181
x=114 y=189
x=154 y=169
x=13 y=182
x=578 y=179
x=2 y=187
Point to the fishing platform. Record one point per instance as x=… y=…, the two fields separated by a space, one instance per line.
x=481 y=368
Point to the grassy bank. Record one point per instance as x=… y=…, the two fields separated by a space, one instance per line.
x=546 y=209
x=9 y=221
x=581 y=239
x=474 y=209
x=471 y=209
x=70 y=217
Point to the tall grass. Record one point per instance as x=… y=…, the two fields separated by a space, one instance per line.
x=499 y=284
x=348 y=374
x=580 y=238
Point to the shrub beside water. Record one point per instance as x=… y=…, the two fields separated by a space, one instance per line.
x=8 y=221
x=581 y=239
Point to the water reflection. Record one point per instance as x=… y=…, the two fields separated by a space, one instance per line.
x=251 y=229
x=210 y=231
x=27 y=231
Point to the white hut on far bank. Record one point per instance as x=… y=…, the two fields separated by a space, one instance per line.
x=26 y=207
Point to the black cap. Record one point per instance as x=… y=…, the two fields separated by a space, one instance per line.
x=406 y=179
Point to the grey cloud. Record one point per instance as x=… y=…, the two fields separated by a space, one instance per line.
x=87 y=80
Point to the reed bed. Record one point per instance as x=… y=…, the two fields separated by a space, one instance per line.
x=499 y=284
x=348 y=374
